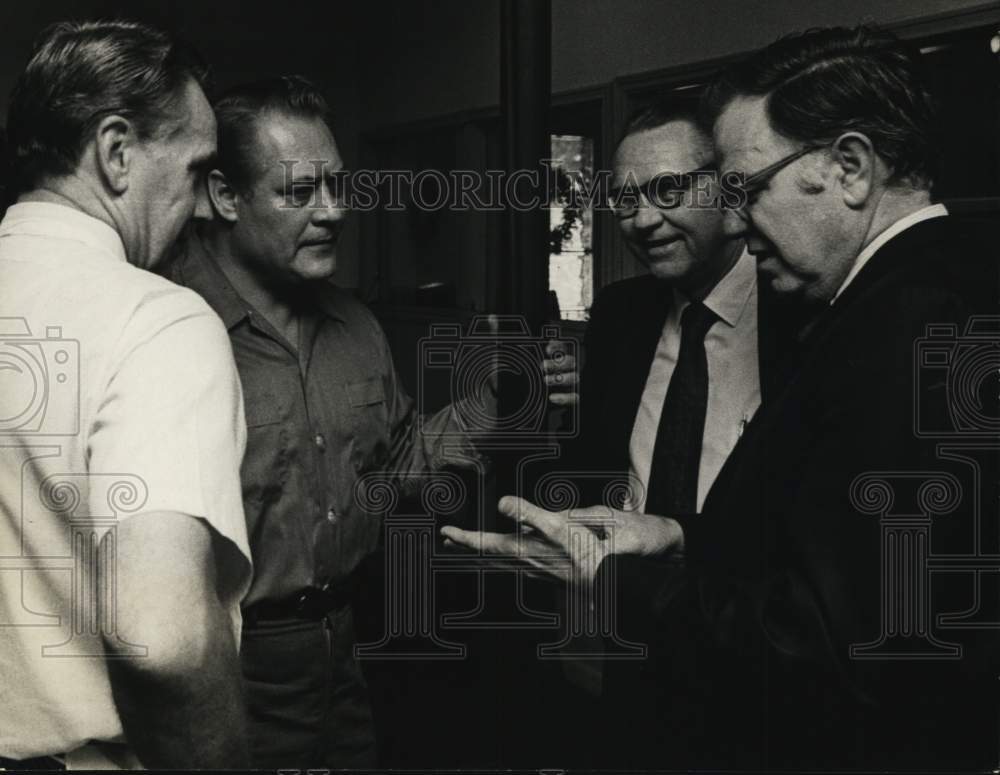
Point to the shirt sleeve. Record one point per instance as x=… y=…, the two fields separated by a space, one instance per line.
x=421 y=443
x=170 y=426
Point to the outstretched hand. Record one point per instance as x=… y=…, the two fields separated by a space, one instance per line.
x=569 y=546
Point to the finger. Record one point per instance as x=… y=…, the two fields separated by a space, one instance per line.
x=554 y=346
x=457 y=537
x=597 y=511
x=559 y=364
x=521 y=561
x=504 y=550
x=593 y=516
x=549 y=523
x=563 y=399
x=485 y=543
x=493 y=323
x=567 y=379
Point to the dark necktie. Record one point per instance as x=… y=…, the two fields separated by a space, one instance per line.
x=673 y=475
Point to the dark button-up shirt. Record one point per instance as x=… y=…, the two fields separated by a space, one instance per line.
x=318 y=417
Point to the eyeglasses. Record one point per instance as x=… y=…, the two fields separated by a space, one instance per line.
x=664 y=191
x=758 y=181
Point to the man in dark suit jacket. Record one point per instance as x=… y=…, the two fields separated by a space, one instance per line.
x=623 y=333
x=835 y=604
x=632 y=346
x=634 y=331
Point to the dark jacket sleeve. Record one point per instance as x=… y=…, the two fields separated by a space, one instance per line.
x=788 y=567
x=581 y=452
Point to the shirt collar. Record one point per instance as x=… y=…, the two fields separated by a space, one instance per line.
x=201 y=273
x=49 y=219
x=323 y=295
x=728 y=299
x=904 y=223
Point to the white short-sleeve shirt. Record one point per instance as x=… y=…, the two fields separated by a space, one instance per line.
x=118 y=396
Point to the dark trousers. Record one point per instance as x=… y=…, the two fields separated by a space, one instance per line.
x=308 y=701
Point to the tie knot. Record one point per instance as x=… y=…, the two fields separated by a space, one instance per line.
x=697 y=319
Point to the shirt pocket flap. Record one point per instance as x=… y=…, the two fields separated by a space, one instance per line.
x=262 y=407
x=365 y=392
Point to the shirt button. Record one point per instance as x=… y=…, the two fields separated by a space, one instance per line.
x=331 y=515
x=320 y=442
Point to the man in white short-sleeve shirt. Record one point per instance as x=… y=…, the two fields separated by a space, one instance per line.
x=123 y=547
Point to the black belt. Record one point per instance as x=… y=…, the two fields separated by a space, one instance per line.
x=38 y=763
x=312 y=604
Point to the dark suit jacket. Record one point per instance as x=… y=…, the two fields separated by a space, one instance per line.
x=626 y=322
x=751 y=634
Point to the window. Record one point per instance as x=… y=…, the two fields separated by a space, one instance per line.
x=571 y=266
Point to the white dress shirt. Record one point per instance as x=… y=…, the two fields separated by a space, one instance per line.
x=733 y=377
x=118 y=396
x=923 y=214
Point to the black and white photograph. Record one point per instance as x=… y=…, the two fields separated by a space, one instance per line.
x=500 y=386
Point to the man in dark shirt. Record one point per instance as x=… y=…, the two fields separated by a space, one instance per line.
x=323 y=406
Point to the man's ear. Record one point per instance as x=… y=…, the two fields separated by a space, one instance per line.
x=854 y=155
x=222 y=196
x=115 y=140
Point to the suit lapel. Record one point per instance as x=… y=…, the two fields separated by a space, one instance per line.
x=811 y=352
x=895 y=253
x=639 y=341
x=914 y=240
x=778 y=330
x=779 y=324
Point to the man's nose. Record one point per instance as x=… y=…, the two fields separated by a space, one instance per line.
x=647 y=216
x=330 y=207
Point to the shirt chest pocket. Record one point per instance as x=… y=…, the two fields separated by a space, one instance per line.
x=264 y=472
x=368 y=417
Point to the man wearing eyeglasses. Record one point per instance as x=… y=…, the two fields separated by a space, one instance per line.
x=675 y=358
x=797 y=620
